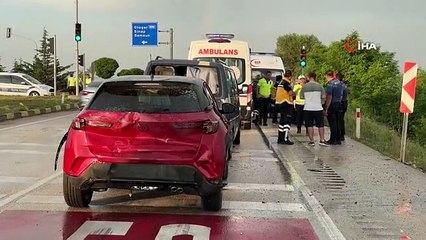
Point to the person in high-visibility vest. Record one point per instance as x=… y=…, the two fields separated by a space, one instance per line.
x=299 y=103
x=284 y=102
x=264 y=86
x=71 y=84
x=88 y=80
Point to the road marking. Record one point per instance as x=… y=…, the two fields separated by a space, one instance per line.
x=12 y=179
x=254 y=151
x=262 y=159
x=111 y=228
x=27 y=144
x=256 y=187
x=36 y=185
x=31 y=152
x=268 y=206
x=42 y=199
x=36 y=122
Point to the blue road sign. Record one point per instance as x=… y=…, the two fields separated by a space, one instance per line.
x=145 y=34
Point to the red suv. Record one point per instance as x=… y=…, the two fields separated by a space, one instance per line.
x=147 y=133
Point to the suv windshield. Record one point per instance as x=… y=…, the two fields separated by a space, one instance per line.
x=150 y=97
x=208 y=74
x=31 y=79
x=262 y=72
x=236 y=64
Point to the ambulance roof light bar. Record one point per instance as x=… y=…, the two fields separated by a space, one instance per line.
x=220 y=36
x=264 y=53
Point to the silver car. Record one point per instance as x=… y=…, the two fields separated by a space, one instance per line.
x=88 y=92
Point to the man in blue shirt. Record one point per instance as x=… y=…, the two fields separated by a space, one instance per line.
x=333 y=103
x=344 y=106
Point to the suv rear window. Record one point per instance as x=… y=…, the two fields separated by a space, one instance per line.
x=150 y=97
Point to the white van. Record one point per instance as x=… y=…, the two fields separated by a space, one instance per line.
x=263 y=62
x=236 y=54
x=22 y=84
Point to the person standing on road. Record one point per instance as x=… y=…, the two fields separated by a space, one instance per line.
x=71 y=84
x=299 y=103
x=344 y=106
x=284 y=102
x=333 y=107
x=314 y=95
x=264 y=86
x=273 y=98
x=255 y=100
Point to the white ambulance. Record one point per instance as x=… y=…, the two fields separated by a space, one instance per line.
x=262 y=62
x=236 y=54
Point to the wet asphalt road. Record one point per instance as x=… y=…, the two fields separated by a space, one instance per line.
x=260 y=202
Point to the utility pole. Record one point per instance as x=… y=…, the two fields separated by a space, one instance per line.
x=170 y=42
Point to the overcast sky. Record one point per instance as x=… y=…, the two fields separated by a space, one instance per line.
x=397 y=25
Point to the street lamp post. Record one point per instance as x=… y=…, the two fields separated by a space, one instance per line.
x=77 y=53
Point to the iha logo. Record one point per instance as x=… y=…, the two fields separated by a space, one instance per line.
x=353 y=45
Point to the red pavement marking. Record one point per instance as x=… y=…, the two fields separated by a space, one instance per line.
x=61 y=225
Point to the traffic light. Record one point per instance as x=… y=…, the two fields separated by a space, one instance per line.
x=303 y=57
x=81 y=60
x=78 y=32
x=51 y=45
x=8 y=32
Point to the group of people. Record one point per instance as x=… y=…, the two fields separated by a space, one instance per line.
x=71 y=83
x=305 y=102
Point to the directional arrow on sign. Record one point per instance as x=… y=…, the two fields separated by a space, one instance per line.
x=144 y=42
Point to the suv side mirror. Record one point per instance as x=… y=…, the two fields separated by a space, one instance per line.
x=228 y=108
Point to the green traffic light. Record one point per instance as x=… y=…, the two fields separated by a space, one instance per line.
x=303 y=63
x=78 y=38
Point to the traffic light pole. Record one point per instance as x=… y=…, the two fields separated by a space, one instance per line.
x=77 y=54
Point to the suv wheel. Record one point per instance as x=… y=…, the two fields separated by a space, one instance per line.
x=212 y=202
x=238 y=137
x=75 y=197
x=34 y=94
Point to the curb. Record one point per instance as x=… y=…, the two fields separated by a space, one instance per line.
x=35 y=112
x=324 y=219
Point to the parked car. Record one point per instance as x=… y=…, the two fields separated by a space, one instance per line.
x=88 y=92
x=23 y=84
x=220 y=78
x=163 y=133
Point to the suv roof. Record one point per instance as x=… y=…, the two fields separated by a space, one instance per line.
x=147 y=78
x=184 y=62
x=13 y=74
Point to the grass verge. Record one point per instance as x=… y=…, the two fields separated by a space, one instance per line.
x=12 y=104
x=385 y=140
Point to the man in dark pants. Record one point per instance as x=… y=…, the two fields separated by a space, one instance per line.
x=264 y=87
x=273 y=97
x=344 y=106
x=333 y=107
x=284 y=102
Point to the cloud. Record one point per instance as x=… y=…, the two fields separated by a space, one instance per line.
x=92 y=5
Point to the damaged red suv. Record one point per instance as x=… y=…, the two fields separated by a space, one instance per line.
x=149 y=133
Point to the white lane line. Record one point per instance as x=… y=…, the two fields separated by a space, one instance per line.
x=268 y=206
x=42 y=199
x=12 y=179
x=36 y=122
x=27 y=144
x=254 y=151
x=246 y=159
x=31 y=152
x=256 y=187
x=36 y=185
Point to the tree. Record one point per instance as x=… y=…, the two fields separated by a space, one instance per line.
x=106 y=67
x=131 y=71
x=42 y=66
x=289 y=46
